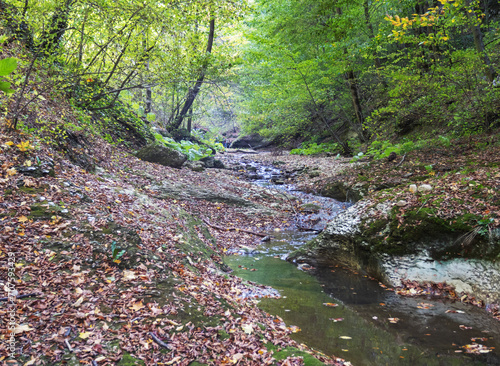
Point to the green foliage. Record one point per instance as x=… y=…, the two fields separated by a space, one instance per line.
x=7 y=66
x=315 y=149
x=193 y=151
x=210 y=142
x=414 y=73
x=380 y=149
x=116 y=253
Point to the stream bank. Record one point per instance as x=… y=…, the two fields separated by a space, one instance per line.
x=409 y=224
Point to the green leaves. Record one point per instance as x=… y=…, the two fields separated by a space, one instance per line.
x=7 y=66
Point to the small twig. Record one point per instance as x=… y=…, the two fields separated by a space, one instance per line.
x=233 y=229
x=159 y=341
x=19 y=296
x=68 y=345
x=401 y=162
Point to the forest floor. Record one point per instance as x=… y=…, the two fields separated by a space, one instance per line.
x=123 y=266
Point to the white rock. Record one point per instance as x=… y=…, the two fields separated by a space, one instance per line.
x=401 y=203
x=425 y=188
x=413 y=188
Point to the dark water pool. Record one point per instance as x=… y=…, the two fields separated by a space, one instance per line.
x=369 y=324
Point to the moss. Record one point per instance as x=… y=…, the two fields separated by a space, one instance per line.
x=128 y=360
x=41 y=212
x=282 y=353
x=421 y=226
x=223 y=334
x=33 y=190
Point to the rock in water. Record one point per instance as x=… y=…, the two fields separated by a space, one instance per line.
x=162 y=155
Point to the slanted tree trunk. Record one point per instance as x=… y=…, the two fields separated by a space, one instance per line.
x=193 y=92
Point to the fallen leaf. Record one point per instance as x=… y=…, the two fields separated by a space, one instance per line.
x=22 y=328
x=137 y=306
x=85 y=335
x=128 y=275
x=330 y=304
x=174 y=360
x=247 y=328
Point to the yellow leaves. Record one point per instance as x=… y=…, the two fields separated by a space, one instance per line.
x=22 y=219
x=9 y=143
x=330 y=304
x=294 y=329
x=85 y=335
x=11 y=172
x=25 y=146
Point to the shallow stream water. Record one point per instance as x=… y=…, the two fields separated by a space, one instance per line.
x=351 y=316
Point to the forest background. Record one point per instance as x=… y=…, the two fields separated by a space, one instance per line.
x=324 y=76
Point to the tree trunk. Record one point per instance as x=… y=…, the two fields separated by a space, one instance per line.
x=356 y=103
x=371 y=33
x=193 y=92
x=52 y=37
x=479 y=43
x=190 y=120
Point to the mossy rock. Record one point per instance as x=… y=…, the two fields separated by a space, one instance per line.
x=423 y=229
x=343 y=192
x=42 y=211
x=310 y=207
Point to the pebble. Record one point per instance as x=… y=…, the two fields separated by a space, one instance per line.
x=401 y=203
x=413 y=188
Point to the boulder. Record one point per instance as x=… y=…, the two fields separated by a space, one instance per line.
x=162 y=155
x=367 y=236
x=195 y=166
x=211 y=162
x=250 y=141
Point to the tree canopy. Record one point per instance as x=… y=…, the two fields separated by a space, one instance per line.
x=341 y=71
x=348 y=71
